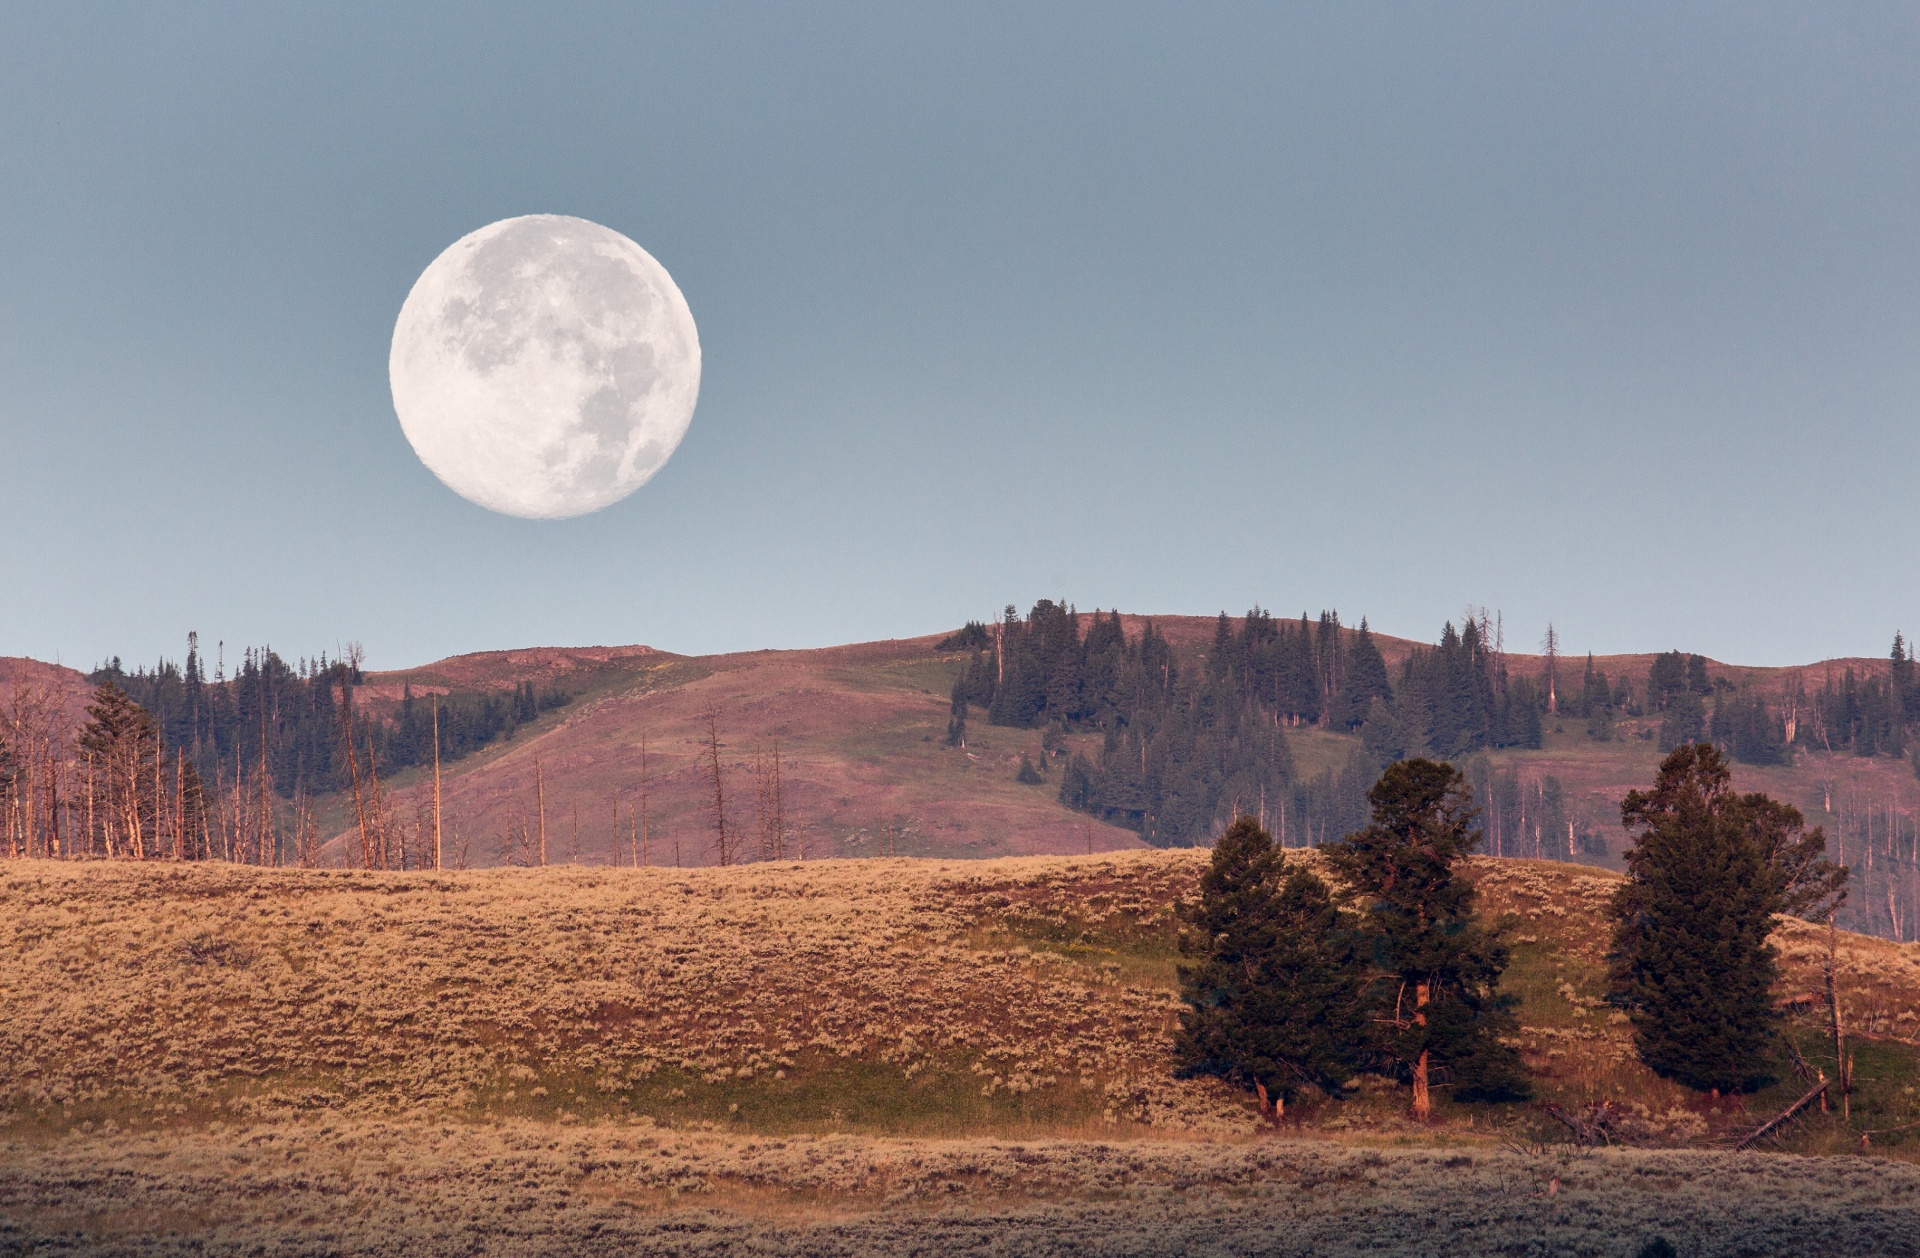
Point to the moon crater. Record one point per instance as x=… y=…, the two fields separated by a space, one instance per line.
x=544 y=366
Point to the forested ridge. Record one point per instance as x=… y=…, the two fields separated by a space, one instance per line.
x=220 y=723
x=1189 y=737
x=1186 y=743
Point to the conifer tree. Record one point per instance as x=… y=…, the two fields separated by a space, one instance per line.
x=1437 y=1003
x=1273 y=989
x=1708 y=875
x=1366 y=680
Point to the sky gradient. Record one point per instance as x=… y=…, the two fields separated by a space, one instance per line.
x=1604 y=315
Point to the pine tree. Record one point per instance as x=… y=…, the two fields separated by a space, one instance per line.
x=957 y=713
x=1439 y=1007
x=1366 y=680
x=1273 y=992
x=1707 y=877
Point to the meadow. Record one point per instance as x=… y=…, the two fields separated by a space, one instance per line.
x=832 y=1056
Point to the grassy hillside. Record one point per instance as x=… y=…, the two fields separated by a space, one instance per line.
x=831 y=1056
x=861 y=734
x=861 y=731
x=898 y=996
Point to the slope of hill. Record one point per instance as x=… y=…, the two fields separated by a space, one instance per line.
x=861 y=735
x=812 y=1054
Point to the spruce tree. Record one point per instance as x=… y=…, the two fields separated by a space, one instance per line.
x=1438 y=1010
x=1366 y=680
x=1273 y=991
x=1708 y=875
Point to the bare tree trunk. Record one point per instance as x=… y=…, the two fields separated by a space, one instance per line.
x=269 y=841
x=1843 y=1063
x=382 y=831
x=359 y=808
x=646 y=822
x=719 y=792
x=437 y=847
x=1422 y=1098
x=540 y=794
x=780 y=809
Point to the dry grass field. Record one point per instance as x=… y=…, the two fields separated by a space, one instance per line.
x=835 y=1056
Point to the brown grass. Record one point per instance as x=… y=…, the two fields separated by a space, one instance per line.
x=830 y=1057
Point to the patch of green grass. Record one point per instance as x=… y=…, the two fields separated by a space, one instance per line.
x=821 y=1093
x=1135 y=952
x=1883 y=1105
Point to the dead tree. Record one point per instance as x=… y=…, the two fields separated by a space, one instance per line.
x=1843 y=1066
x=646 y=829
x=1778 y=1120
x=540 y=797
x=438 y=847
x=1550 y=647
x=724 y=852
x=353 y=768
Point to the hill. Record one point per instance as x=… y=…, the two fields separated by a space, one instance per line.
x=861 y=734
x=517 y=1058
x=865 y=769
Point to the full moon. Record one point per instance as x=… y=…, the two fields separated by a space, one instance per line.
x=544 y=366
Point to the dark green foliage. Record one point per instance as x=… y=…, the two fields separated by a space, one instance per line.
x=1178 y=748
x=1743 y=726
x=1365 y=684
x=1708 y=873
x=957 y=713
x=1673 y=674
x=974 y=637
x=1596 y=702
x=141 y=799
x=218 y=720
x=1867 y=714
x=1527 y=815
x=1420 y=931
x=1456 y=697
x=1185 y=746
x=1028 y=775
x=1273 y=987
x=1685 y=721
x=1332 y=802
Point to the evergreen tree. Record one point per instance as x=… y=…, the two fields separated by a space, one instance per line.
x=1365 y=682
x=1684 y=721
x=1596 y=702
x=957 y=713
x=1707 y=876
x=1439 y=1010
x=1273 y=987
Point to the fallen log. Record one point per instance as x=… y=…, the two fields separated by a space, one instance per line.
x=1819 y=1089
x=1593 y=1130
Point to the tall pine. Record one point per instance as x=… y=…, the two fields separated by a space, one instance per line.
x=1438 y=1010
x=1708 y=875
x=1273 y=987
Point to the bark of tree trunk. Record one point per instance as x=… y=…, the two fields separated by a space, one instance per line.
x=1422 y=1096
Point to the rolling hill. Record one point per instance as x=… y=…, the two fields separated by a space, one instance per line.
x=865 y=769
x=861 y=734
x=832 y=1056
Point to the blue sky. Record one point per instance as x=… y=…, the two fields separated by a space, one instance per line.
x=1599 y=314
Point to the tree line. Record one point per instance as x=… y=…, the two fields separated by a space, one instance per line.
x=172 y=763
x=287 y=717
x=1866 y=715
x=1297 y=981
x=1188 y=743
